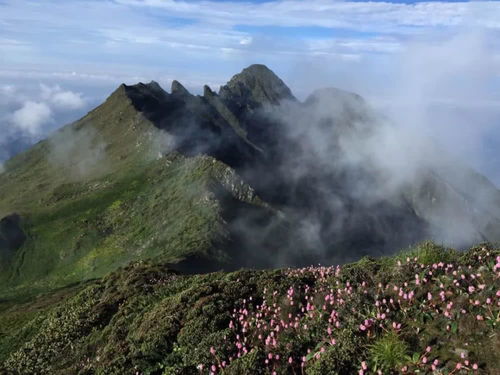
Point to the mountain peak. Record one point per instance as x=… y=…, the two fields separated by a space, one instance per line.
x=351 y=108
x=151 y=88
x=257 y=69
x=258 y=85
x=178 y=88
x=333 y=93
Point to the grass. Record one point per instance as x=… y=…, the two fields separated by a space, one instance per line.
x=388 y=353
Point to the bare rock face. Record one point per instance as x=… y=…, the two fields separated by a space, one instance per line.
x=255 y=86
x=12 y=235
x=178 y=89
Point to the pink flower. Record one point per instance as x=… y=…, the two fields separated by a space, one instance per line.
x=290 y=360
x=475 y=366
x=212 y=350
x=458 y=366
x=364 y=366
x=428 y=349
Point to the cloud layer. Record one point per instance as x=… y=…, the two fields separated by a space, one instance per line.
x=221 y=31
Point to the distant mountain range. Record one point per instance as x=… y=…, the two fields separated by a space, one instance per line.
x=246 y=177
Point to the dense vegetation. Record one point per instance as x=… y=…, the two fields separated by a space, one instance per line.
x=427 y=310
x=109 y=230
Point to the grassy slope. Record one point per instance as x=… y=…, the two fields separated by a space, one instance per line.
x=131 y=204
x=148 y=319
x=146 y=214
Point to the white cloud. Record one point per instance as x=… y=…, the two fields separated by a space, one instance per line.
x=31 y=117
x=351 y=45
x=62 y=99
x=246 y=41
x=359 y=15
x=29 y=112
x=152 y=28
x=68 y=100
x=37 y=111
x=7 y=89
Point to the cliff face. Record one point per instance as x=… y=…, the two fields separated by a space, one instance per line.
x=248 y=176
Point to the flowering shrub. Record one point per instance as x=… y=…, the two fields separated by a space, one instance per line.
x=437 y=319
x=425 y=311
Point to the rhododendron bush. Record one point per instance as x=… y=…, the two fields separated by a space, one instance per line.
x=428 y=310
x=440 y=317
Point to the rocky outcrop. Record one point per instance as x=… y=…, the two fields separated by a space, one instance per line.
x=12 y=235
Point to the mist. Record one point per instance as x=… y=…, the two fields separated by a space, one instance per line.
x=417 y=144
x=78 y=153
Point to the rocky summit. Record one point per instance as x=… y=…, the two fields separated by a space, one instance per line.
x=110 y=229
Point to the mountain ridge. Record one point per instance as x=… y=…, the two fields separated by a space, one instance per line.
x=246 y=177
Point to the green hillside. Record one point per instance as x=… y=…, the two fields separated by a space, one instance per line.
x=99 y=193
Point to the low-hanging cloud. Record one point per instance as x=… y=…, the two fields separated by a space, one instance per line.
x=78 y=152
x=31 y=117
x=29 y=114
x=65 y=100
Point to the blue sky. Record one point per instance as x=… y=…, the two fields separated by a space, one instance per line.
x=435 y=56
